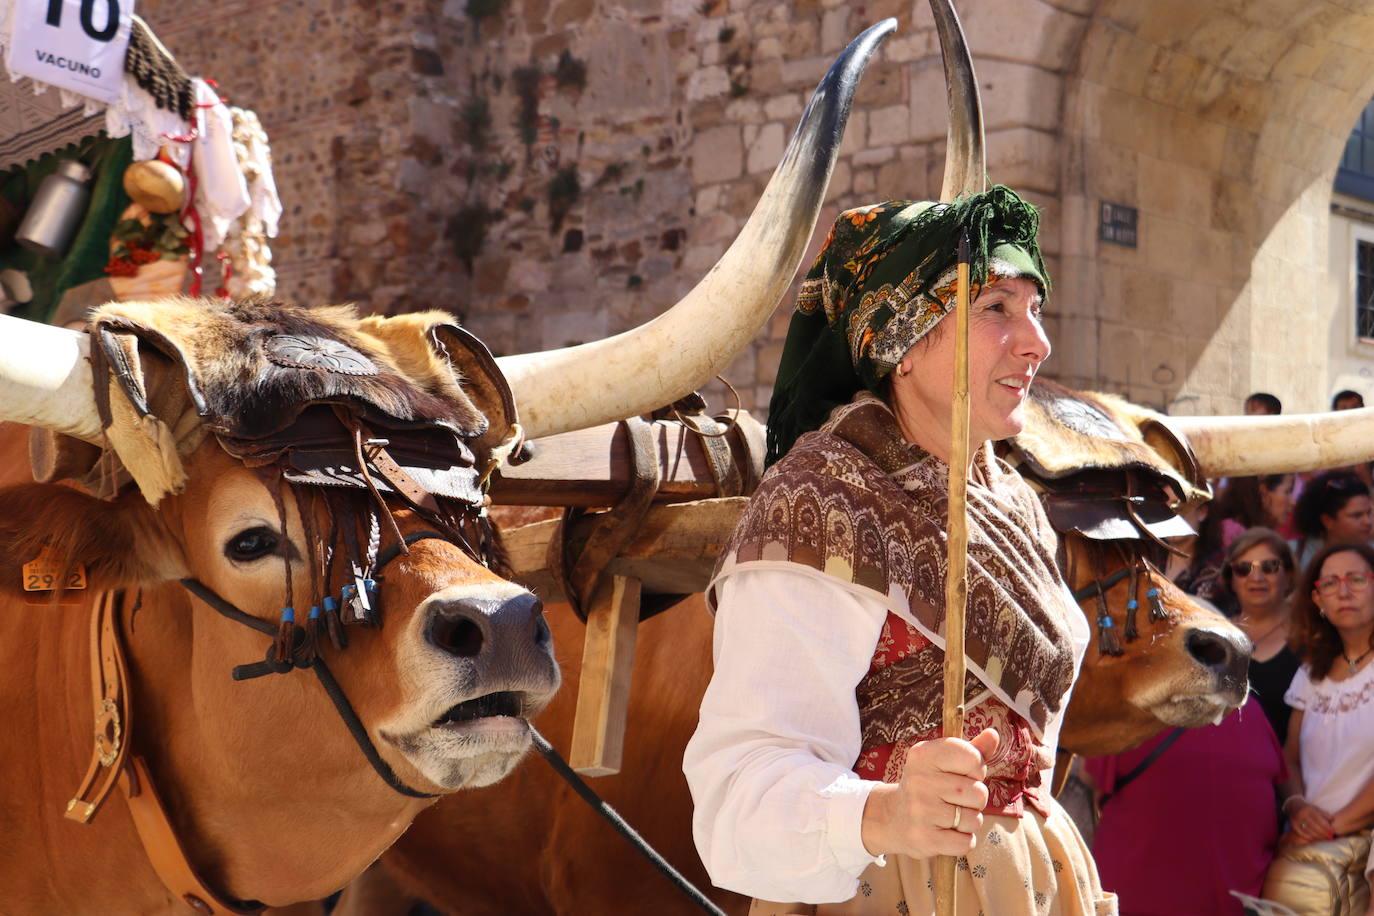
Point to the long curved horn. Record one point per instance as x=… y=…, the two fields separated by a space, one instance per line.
x=1248 y=446
x=966 y=163
x=682 y=349
x=45 y=378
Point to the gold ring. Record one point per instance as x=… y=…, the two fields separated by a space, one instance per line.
x=957 y=812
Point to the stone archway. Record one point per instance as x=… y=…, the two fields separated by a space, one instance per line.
x=1223 y=123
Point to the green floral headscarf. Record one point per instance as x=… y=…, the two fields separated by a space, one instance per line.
x=884 y=277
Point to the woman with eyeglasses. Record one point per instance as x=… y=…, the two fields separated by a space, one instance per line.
x=1330 y=747
x=1259 y=577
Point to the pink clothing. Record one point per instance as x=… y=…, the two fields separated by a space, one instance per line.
x=1230 y=530
x=1198 y=823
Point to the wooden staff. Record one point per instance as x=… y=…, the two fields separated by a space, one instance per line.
x=956 y=573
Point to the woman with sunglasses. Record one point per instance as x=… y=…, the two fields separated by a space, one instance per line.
x=1244 y=503
x=1258 y=574
x=1330 y=747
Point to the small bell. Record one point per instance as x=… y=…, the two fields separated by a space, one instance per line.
x=1157 y=611
x=357 y=603
x=57 y=210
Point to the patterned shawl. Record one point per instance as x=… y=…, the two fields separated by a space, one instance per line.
x=855 y=501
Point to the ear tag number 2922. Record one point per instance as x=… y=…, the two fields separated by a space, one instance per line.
x=45 y=573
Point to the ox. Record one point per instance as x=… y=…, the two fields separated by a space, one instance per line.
x=243 y=792
x=210 y=472
x=1110 y=475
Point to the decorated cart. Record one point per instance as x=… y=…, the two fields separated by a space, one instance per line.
x=121 y=176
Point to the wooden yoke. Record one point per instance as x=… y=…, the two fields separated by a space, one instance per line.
x=674 y=489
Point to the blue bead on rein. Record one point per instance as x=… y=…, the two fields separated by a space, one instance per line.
x=1107 y=641
x=310 y=648
x=1131 y=631
x=333 y=625
x=284 y=646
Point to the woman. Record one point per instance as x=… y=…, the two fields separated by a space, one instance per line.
x=1334 y=508
x=1220 y=780
x=818 y=750
x=1330 y=747
x=1246 y=502
x=1259 y=576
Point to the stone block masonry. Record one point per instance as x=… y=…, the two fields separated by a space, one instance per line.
x=555 y=170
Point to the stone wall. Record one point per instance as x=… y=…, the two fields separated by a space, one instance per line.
x=557 y=170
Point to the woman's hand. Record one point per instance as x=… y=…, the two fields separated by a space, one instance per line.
x=1311 y=824
x=938 y=805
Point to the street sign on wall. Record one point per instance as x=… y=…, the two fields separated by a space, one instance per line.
x=1118 y=224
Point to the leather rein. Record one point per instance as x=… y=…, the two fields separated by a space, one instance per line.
x=112 y=763
x=1134 y=566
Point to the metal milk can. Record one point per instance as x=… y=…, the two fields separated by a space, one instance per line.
x=57 y=210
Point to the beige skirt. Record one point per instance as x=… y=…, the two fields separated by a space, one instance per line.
x=1028 y=866
x=1322 y=879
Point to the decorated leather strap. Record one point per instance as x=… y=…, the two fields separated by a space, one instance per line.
x=164 y=850
x=111 y=764
x=110 y=683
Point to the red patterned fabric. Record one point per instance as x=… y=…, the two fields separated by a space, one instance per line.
x=1013 y=772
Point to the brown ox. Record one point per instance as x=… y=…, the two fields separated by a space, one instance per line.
x=546 y=851
x=271 y=477
x=268 y=795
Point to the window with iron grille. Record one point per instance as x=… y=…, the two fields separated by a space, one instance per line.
x=1364 y=289
x=1356 y=173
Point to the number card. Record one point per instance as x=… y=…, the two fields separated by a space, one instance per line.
x=73 y=44
x=44 y=574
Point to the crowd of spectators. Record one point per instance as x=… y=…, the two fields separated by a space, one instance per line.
x=1275 y=801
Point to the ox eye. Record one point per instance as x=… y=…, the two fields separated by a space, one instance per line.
x=252 y=544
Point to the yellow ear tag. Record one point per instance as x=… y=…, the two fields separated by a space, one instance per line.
x=44 y=573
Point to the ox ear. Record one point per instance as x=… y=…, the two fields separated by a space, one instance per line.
x=428 y=343
x=54 y=456
x=120 y=543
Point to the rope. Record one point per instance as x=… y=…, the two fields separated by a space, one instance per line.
x=590 y=797
x=359 y=733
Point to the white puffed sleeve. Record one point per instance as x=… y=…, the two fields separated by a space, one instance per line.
x=1297 y=695
x=778 y=807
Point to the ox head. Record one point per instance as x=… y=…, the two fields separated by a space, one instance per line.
x=1158 y=657
x=274 y=457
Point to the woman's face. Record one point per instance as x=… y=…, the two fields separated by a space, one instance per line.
x=1259 y=590
x=1352 y=522
x=1006 y=345
x=1340 y=594
x=1278 y=502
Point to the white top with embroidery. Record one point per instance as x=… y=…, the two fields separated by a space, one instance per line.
x=1337 y=737
x=777 y=805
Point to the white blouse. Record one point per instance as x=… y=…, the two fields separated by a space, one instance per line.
x=1337 y=737
x=778 y=807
